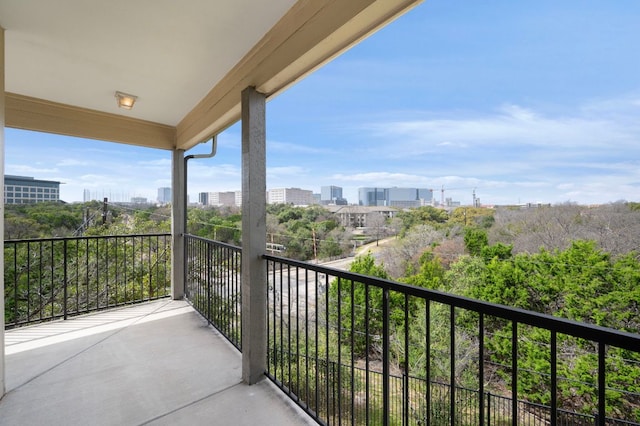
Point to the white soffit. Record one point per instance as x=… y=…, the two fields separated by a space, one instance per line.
x=169 y=53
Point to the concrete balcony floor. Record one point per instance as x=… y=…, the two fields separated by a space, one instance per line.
x=157 y=363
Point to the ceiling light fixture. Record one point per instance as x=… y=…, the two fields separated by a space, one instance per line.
x=125 y=100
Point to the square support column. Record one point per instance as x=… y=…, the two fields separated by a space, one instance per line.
x=178 y=222
x=254 y=236
x=2 y=375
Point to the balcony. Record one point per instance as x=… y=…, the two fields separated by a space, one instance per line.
x=152 y=363
x=344 y=348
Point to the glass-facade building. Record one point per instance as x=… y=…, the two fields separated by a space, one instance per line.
x=164 y=195
x=395 y=197
x=332 y=195
x=26 y=190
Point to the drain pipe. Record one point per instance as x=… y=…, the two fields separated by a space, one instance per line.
x=214 y=148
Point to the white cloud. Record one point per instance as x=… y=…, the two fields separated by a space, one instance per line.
x=285 y=171
x=72 y=162
x=160 y=162
x=30 y=170
x=287 y=147
x=511 y=127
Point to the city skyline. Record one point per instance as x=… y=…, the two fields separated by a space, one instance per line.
x=521 y=101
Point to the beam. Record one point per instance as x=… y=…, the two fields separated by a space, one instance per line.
x=254 y=237
x=27 y=113
x=309 y=35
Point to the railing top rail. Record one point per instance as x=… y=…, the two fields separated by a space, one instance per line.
x=621 y=339
x=87 y=237
x=208 y=240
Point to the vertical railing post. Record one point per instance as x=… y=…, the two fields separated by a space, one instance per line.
x=64 y=284
x=514 y=373
x=208 y=277
x=385 y=357
x=481 y=369
x=452 y=362
x=601 y=417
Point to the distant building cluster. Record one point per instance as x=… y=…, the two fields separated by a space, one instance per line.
x=26 y=190
x=292 y=196
x=395 y=197
x=332 y=196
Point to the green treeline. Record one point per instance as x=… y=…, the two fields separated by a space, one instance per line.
x=304 y=232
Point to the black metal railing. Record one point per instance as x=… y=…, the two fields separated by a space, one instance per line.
x=55 y=278
x=353 y=349
x=213 y=284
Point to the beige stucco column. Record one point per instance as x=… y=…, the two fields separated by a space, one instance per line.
x=2 y=381
x=178 y=222
x=254 y=236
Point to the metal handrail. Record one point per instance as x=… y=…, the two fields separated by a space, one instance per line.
x=330 y=336
x=53 y=278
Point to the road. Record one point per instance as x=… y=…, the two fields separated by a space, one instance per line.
x=295 y=291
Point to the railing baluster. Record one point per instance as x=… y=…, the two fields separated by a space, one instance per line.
x=306 y=334
x=339 y=381
x=602 y=386
x=65 y=282
x=406 y=394
x=15 y=283
x=385 y=357
x=327 y=359
x=353 y=360
x=427 y=316
x=481 y=369
x=514 y=373
x=452 y=362
x=554 y=378
x=367 y=343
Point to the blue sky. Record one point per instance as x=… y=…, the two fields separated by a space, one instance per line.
x=525 y=101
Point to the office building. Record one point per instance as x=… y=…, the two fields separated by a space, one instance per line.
x=164 y=195
x=395 y=197
x=332 y=195
x=294 y=196
x=24 y=190
x=218 y=199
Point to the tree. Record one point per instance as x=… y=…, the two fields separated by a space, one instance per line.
x=375 y=225
x=402 y=258
x=366 y=301
x=426 y=215
x=475 y=240
x=473 y=216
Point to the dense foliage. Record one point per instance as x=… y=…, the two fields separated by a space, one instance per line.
x=594 y=280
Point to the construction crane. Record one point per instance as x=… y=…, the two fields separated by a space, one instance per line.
x=442 y=189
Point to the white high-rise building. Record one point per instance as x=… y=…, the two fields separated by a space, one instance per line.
x=295 y=196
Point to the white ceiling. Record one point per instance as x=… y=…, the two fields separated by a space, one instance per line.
x=187 y=61
x=169 y=53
